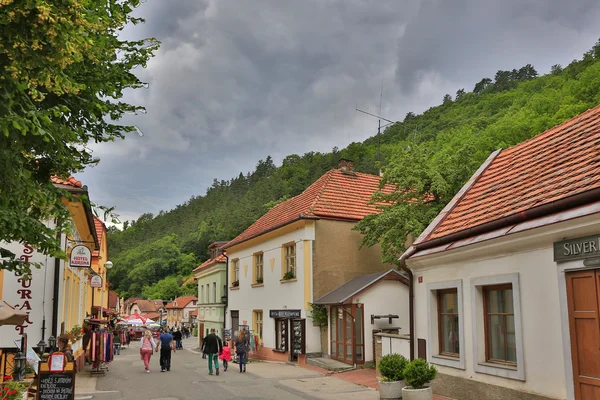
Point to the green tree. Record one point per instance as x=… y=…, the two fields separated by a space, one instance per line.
x=64 y=70
x=165 y=289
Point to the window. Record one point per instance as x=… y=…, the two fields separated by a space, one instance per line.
x=289 y=261
x=235 y=273
x=448 y=330
x=497 y=331
x=207 y=293
x=258 y=267
x=281 y=335
x=257 y=319
x=202 y=293
x=446 y=337
x=214 y=292
x=499 y=322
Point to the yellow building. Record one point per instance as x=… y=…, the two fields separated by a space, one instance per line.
x=98 y=297
x=55 y=296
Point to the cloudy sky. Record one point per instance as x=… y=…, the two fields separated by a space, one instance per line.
x=237 y=80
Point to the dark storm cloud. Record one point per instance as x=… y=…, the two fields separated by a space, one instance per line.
x=236 y=81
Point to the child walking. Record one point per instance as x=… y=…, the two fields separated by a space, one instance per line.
x=225 y=355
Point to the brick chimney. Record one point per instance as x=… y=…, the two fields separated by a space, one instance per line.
x=346 y=166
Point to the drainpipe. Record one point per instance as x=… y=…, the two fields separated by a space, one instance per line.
x=411 y=296
x=226 y=293
x=56 y=290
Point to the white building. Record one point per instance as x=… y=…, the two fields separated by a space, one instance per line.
x=298 y=251
x=506 y=278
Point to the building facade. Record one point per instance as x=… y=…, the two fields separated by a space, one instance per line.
x=298 y=251
x=55 y=296
x=506 y=277
x=211 y=277
x=178 y=311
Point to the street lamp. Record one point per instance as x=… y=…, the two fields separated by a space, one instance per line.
x=107 y=265
x=42 y=346
x=19 y=370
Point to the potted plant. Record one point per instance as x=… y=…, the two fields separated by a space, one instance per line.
x=235 y=283
x=288 y=275
x=259 y=280
x=418 y=373
x=12 y=390
x=391 y=368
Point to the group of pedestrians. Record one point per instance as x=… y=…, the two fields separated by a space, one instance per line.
x=215 y=350
x=212 y=347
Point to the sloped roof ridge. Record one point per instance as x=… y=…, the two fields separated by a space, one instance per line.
x=327 y=178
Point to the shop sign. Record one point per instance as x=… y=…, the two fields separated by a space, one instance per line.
x=577 y=249
x=284 y=313
x=81 y=256
x=96 y=281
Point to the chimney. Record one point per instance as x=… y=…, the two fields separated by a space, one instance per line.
x=346 y=166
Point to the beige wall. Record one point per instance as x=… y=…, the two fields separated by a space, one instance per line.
x=337 y=258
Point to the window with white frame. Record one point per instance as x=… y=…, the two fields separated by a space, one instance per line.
x=214 y=298
x=235 y=273
x=496 y=315
x=202 y=293
x=289 y=262
x=446 y=319
x=258 y=267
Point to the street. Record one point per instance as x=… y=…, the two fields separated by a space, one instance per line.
x=189 y=379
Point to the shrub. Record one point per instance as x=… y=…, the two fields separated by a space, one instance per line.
x=288 y=275
x=419 y=373
x=392 y=367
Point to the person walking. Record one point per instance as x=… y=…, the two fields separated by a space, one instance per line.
x=241 y=349
x=213 y=347
x=147 y=346
x=225 y=356
x=166 y=346
x=177 y=336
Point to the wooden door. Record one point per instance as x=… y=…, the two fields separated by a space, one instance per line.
x=584 y=325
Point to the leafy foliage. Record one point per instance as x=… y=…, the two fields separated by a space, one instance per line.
x=428 y=157
x=419 y=373
x=392 y=366
x=318 y=313
x=63 y=72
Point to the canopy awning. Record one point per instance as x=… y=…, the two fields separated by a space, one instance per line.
x=10 y=316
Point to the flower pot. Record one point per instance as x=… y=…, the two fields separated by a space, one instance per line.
x=409 y=393
x=391 y=390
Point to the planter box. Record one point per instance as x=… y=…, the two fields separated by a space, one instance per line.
x=417 y=394
x=391 y=390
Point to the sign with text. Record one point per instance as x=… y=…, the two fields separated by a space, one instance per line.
x=284 y=313
x=577 y=249
x=81 y=256
x=96 y=281
x=56 y=385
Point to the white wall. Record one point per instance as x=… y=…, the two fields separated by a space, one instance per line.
x=546 y=346
x=383 y=298
x=391 y=344
x=274 y=295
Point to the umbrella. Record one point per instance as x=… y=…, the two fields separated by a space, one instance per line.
x=153 y=325
x=10 y=316
x=136 y=319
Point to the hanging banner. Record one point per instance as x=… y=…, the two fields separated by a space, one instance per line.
x=81 y=256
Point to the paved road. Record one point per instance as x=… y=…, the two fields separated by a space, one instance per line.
x=189 y=379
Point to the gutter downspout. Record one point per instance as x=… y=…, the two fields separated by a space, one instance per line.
x=56 y=290
x=226 y=293
x=411 y=295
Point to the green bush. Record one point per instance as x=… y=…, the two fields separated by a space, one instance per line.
x=419 y=373
x=195 y=331
x=392 y=367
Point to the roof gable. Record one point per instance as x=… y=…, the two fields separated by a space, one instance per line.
x=357 y=285
x=100 y=229
x=181 y=302
x=335 y=195
x=220 y=259
x=553 y=166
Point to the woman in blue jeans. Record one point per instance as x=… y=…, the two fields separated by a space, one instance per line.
x=241 y=348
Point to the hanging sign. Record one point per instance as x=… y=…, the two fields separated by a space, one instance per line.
x=96 y=281
x=81 y=256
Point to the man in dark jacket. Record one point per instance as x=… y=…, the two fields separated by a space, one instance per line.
x=212 y=345
x=177 y=336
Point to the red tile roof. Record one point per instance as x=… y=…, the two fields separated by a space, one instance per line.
x=558 y=163
x=220 y=259
x=194 y=313
x=100 y=227
x=147 y=306
x=70 y=181
x=335 y=195
x=181 y=302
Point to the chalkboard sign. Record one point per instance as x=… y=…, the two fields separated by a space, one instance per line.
x=56 y=385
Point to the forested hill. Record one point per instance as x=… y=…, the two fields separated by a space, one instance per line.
x=459 y=134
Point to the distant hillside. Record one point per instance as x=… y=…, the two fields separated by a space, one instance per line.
x=459 y=134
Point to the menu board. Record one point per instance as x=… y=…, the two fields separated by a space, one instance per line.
x=56 y=386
